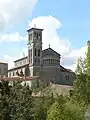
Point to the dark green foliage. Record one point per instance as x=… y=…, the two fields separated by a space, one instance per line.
x=62 y=110
x=15 y=102
x=4 y=100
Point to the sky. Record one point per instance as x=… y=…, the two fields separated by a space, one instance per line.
x=66 y=25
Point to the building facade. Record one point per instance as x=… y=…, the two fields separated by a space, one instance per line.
x=3 y=69
x=42 y=63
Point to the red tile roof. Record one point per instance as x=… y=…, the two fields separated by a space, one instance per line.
x=65 y=69
x=19 y=78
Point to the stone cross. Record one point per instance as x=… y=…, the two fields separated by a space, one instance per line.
x=49 y=45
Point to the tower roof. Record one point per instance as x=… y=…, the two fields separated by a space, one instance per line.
x=34 y=29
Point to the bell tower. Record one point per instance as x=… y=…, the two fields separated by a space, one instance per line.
x=34 y=50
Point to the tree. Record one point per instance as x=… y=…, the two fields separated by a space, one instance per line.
x=21 y=102
x=82 y=83
x=42 y=102
x=4 y=100
x=15 y=101
x=65 y=111
x=80 y=89
x=88 y=58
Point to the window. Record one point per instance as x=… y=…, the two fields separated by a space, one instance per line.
x=5 y=70
x=17 y=73
x=39 y=36
x=35 y=51
x=34 y=33
x=39 y=52
x=13 y=73
x=30 y=36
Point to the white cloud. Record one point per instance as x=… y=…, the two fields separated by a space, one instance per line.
x=13 y=11
x=12 y=37
x=70 y=60
x=50 y=25
x=9 y=59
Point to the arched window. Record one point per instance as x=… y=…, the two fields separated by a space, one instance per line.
x=35 y=51
x=39 y=52
x=37 y=36
x=17 y=73
x=30 y=36
x=34 y=33
x=21 y=73
x=13 y=73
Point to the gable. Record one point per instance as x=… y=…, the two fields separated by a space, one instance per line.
x=50 y=52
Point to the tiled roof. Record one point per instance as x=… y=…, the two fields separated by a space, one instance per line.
x=21 y=59
x=65 y=69
x=15 y=68
x=19 y=78
x=34 y=29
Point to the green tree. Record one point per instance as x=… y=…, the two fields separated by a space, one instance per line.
x=65 y=111
x=16 y=102
x=21 y=102
x=80 y=86
x=4 y=100
x=82 y=83
x=42 y=102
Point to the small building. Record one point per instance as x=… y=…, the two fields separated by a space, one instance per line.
x=3 y=69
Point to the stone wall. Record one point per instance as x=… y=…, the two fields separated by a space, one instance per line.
x=3 y=69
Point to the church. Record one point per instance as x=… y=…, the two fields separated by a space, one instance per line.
x=42 y=63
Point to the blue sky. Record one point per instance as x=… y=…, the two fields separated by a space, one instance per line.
x=72 y=14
